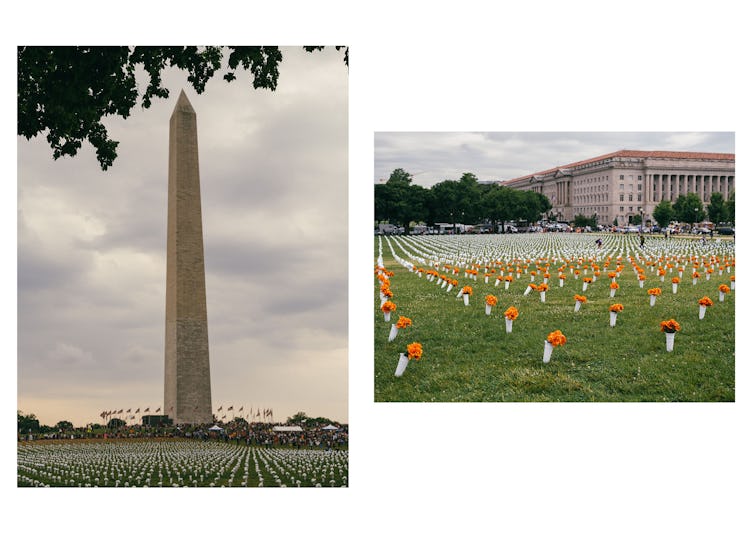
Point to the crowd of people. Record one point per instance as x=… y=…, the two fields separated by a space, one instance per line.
x=238 y=431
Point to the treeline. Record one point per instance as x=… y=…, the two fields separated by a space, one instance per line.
x=463 y=201
x=689 y=209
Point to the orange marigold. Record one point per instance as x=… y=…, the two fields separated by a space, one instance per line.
x=511 y=313
x=670 y=326
x=587 y=280
x=387 y=293
x=491 y=300
x=656 y=291
x=415 y=351
x=614 y=285
x=696 y=275
x=724 y=288
x=467 y=290
x=611 y=275
x=556 y=338
x=388 y=306
x=676 y=280
x=508 y=278
x=705 y=301
x=580 y=298
x=616 y=308
x=403 y=322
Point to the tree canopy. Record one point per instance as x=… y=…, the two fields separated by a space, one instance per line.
x=65 y=91
x=689 y=209
x=465 y=201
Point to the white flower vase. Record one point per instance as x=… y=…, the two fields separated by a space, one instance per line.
x=675 y=288
x=393 y=332
x=669 y=341
x=532 y=278
x=702 y=312
x=576 y=277
x=561 y=282
x=732 y=284
x=444 y=284
x=547 y=350
x=506 y=285
x=496 y=284
x=459 y=294
x=387 y=317
x=449 y=288
x=728 y=269
x=641 y=283
x=708 y=275
x=652 y=299
x=508 y=323
x=721 y=296
x=577 y=305
x=486 y=280
x=466 y=299
x=613 y=317
x=401 y=364
x=488 y=309
x=612 y=293
x=584 y=286
x=527 y=291
x=542 y=296
x=694 y=281
x=419 y=274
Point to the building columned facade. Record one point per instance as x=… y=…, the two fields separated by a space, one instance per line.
x=618 y=186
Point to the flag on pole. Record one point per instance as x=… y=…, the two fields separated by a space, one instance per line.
x=120 y=410
x=221 y=408
x=146 y=409
x=158 y=409
x=128 y=410
x=241 y=409
x=231 y=408
x=137 y=411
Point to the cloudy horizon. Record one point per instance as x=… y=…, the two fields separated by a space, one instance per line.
x=92 y=252
x=432 y=157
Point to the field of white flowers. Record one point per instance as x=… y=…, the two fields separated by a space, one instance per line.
x=176 y=463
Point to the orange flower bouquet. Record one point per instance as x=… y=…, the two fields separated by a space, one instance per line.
x=614 y=309
x=402 y=322
x=491 y=301
x=661 y=273
x=670 y=327
x=466 y=292
x=510 y=315
x=542 y=288
x=723 y=289
x=653 y=294
x=414 y=352
x=499 y=278
x=387 y=308
x=452 y=283
x=675 y=281
x=703 y=304
x=554 y=339
x=641 y=280
x=561 y=278
x=586 y=282
x=695 y=277
x=732 y=282
x=580 y=299
x=613 y=286
x=507 y=280
x=530 y=287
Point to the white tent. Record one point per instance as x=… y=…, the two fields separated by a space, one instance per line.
x=216 y=427
x=329 y=427
x=287 y=429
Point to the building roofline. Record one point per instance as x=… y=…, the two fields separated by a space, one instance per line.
x=630 y=154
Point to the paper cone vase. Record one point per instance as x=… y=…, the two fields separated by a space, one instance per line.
x=612 y=293
x=675 y=288
x=393 y=332
x=669 y=341
x=613 y=317
x=702 y=312
x=542 y=296
x=466 y=299
x=488 y=309
x=509 y=323
x=387 y=317
x=652 y=299
x=721 y=296
x=577 y=305
x=547 y=350
x=401 y=365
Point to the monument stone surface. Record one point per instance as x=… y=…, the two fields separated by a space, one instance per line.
x=187 y=396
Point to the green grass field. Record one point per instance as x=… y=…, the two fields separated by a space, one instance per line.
x=468 y=356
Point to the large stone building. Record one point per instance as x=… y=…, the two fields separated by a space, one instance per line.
x=616 y=187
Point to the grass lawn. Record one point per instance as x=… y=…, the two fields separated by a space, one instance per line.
x=468 y=356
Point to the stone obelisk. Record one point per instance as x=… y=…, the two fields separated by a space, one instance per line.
x=187 y=368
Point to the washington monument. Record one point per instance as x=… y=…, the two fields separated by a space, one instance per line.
x=187 y=366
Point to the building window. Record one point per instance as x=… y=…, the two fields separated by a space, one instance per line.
x=639 y=187
x=621 y=209
x=639 y=178
x=639 y=197
x=631 y=197
x=620 y=187
x=621 y=178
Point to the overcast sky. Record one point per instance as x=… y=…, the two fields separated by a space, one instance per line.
x=432 y=157
x=92 y=252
